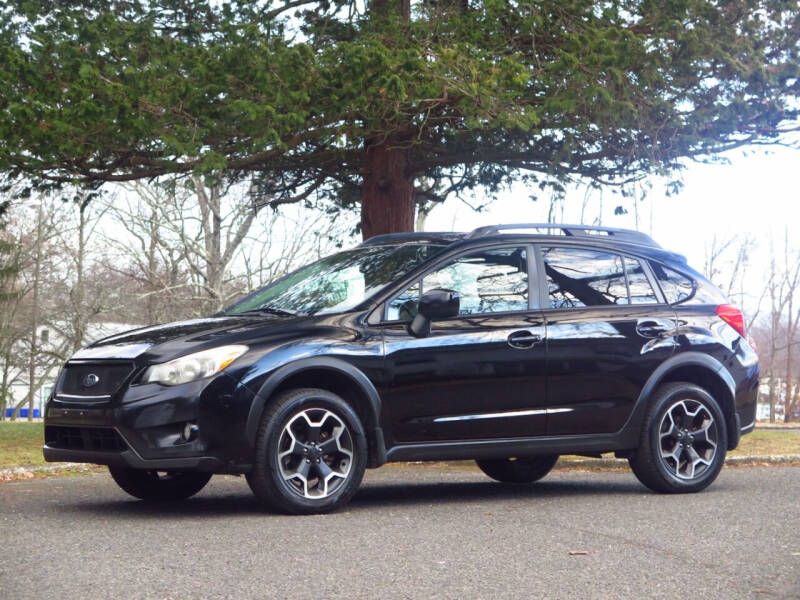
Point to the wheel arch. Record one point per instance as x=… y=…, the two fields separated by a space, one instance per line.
x=702 y=370
x=336 y=376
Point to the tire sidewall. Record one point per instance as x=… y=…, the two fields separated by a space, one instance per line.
x=285 y=496
x=659 y=410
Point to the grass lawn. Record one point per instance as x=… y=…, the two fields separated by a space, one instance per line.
x=21 y=444
x=768 y=441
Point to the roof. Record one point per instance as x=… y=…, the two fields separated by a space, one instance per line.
x=633 y=240
x=415 y=236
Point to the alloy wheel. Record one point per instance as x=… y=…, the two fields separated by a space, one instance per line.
x=315 y=453
x=688 y=439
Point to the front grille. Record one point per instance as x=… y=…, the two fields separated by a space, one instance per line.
x=84 y=438
x=93 y=379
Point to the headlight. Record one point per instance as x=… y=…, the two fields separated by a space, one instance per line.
x=194 y=366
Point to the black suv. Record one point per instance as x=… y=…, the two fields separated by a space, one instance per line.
x=509 y=345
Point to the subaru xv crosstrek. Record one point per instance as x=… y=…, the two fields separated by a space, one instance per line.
x=509 y=345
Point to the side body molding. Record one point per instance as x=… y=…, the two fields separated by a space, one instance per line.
x=684 y=359
x=317 y=363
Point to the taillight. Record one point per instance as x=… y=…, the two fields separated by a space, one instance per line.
x=733 y=317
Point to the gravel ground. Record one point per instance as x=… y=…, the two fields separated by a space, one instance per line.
x=411 y=532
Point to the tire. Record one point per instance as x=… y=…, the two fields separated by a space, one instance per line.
x=519 y=470
x=159 y=486
x=683 y=441
x=311 y=453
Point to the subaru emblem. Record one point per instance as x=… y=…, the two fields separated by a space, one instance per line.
x=90 y=380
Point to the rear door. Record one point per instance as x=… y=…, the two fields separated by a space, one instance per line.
x=608 y=328
x=481 y=374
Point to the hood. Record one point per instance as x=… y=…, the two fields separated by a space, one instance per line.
x=170 y=340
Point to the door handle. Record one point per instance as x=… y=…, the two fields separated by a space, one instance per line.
x=523 y=339
x=652 y=328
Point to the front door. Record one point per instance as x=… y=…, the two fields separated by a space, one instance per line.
x=480 y=375
x=607 y=331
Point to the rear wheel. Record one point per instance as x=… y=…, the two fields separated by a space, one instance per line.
x=518 y=470
x=311 y=453
x=159 y=486
x=683 y=441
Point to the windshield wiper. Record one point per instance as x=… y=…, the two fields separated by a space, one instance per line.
x=270 y=310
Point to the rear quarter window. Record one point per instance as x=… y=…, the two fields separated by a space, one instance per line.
x=680 y=288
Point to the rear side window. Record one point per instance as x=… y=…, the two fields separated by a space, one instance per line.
x=578 y=277
x=677 y=287
x=638 y=284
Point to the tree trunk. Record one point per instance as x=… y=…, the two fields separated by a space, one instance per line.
x=5 y=392
x=787 y=398
x=771 y=396
x=795 y=399
x=387 y=195
x=34 y=349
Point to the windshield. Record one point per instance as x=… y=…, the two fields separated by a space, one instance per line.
x=337 y=283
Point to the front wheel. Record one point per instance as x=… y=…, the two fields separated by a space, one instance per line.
x=159 y=486
x=311 y=453
x=518 y=470
x=683 y=441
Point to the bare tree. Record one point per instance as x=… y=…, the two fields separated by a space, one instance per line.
x=24 y=358
x=783 y=284
x=198 y=247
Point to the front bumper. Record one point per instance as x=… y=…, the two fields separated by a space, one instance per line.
x=141 y=427
x=129 y=458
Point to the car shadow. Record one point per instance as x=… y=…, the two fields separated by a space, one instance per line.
x=370 y=496
x=399 y=494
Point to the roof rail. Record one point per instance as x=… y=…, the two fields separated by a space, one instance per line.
x=622 y=235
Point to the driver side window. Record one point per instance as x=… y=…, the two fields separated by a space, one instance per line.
x=488 y=281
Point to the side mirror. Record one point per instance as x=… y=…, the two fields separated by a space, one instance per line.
x=436 y=304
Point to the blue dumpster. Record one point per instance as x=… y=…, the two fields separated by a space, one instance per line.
x=23 y=413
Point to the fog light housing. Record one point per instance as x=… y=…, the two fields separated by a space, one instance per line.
x=190 y=432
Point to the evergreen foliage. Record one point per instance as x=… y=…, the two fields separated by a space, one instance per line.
x=458 y=93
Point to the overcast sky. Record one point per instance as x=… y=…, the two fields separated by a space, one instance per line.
x=756 y=193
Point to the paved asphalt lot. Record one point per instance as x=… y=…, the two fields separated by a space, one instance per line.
x=411 y=532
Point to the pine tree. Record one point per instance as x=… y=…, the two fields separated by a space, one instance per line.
x=392 y=104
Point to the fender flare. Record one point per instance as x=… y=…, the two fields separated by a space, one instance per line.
x=315 y=363
x=684 y=359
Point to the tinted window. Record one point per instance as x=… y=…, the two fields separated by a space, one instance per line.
x=584 y=278
x=339 y=282
x=488 y=281
x=641 y=292
x=676 y=286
